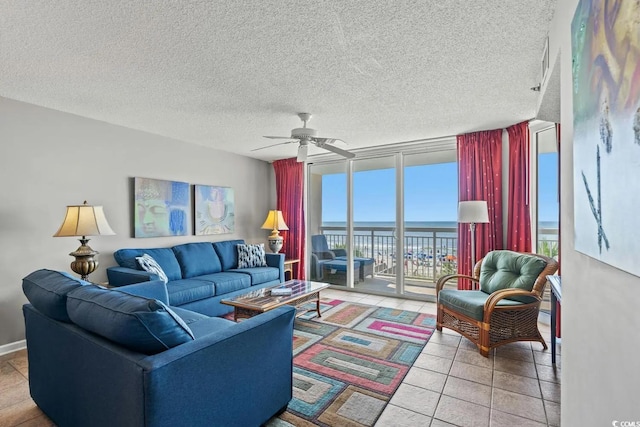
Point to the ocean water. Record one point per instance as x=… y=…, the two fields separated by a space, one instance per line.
x=415 y=224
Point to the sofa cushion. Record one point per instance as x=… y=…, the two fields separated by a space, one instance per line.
x=227 y=281
x=506 y=269
x=149 y=264
x=163 y=256
x=469 y=303
x=141 y=324
x=196 y=259
x=260 y=275
x=228 y=253
x=200 y=324
x=47 y=291
x=188 y=290
x=250 y=256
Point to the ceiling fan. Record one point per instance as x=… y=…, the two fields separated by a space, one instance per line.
x=304 y=135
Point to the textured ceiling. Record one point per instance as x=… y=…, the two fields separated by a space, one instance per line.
x=224 y=73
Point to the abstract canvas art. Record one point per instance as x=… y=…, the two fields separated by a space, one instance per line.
x=161 y=208
x=606 y=118
x=214 y=210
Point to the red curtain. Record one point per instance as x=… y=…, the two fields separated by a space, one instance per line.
x=519 y=217
x=480 y=178
x=290 y=193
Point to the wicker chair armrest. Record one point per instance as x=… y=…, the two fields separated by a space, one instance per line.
x=442 y=280
x=497 y=296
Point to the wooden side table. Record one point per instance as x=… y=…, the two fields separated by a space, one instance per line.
x=288 y=268
x=556 y=296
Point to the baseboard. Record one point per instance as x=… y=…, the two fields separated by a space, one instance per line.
x=13 y=346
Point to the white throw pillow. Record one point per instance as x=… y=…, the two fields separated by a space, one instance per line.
x=250 y=256
x=149 y=264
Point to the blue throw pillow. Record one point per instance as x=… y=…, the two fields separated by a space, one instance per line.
x=140 y=324
x=47 y=291
x=250 y=256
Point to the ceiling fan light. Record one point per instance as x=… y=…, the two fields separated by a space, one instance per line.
x=302 y=153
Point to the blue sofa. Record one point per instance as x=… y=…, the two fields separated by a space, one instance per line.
x=199 y=274
x=124 y=357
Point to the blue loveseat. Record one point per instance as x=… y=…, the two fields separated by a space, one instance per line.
x=199 y=274
x=124 y=357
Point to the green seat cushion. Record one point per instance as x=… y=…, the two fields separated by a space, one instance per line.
x=469 y=303
x=507 y=269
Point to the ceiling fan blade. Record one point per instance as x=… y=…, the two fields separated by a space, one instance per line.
x=278 y=137
x=273 y=145
x=322 y=144
x=328 y=140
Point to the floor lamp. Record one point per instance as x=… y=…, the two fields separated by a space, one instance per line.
x=473 y=212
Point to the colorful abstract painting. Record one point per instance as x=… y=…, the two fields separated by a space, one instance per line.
x=161 y=208
x=214 y=210
x=606 y=113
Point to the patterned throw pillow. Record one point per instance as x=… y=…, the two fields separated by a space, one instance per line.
x=251 y=256
x=149 y=264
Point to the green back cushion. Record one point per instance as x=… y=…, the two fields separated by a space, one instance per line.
x=507 y=269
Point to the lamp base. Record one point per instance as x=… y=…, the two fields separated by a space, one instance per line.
x=85 y=262
x=275 y=243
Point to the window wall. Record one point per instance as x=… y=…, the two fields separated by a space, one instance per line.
x=396 y=210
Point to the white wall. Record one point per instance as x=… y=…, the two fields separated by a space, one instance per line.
x=600 y=315
x=50 y=159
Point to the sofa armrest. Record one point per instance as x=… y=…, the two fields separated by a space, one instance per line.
x=276 y=260
x=119 y=276
x=155 y=289
x=339 y=252
x=251 y=361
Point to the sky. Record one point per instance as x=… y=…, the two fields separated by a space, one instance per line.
x=431 y=193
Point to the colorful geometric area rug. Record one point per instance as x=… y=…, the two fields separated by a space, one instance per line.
x=349 y=362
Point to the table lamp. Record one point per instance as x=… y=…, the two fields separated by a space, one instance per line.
x=473 y=212
x=84 y=220
x=275 y=222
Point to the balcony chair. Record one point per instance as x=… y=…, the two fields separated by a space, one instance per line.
x=505 y=307
x=323 y=258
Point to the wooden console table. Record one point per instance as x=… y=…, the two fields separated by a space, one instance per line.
x=556 y=299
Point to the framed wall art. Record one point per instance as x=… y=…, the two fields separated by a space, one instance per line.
x=605 y=42
x=214 y=210
x=161 y=208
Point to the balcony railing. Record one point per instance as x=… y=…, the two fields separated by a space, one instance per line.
x=429 y=253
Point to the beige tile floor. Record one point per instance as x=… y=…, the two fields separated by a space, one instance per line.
x=450 y=384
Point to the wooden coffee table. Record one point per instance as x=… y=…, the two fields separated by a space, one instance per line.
x=261 y=300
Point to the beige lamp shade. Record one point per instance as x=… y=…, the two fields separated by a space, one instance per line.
x=274 y=221
x=473 y=211
x=84 y=220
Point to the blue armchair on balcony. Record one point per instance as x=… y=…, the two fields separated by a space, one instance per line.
x=335 y=260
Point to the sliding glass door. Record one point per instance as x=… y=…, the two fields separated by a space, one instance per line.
x=384 y=223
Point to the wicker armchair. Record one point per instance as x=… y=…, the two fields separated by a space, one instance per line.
x=505 y=307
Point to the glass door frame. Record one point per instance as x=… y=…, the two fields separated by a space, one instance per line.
x=398 y=154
